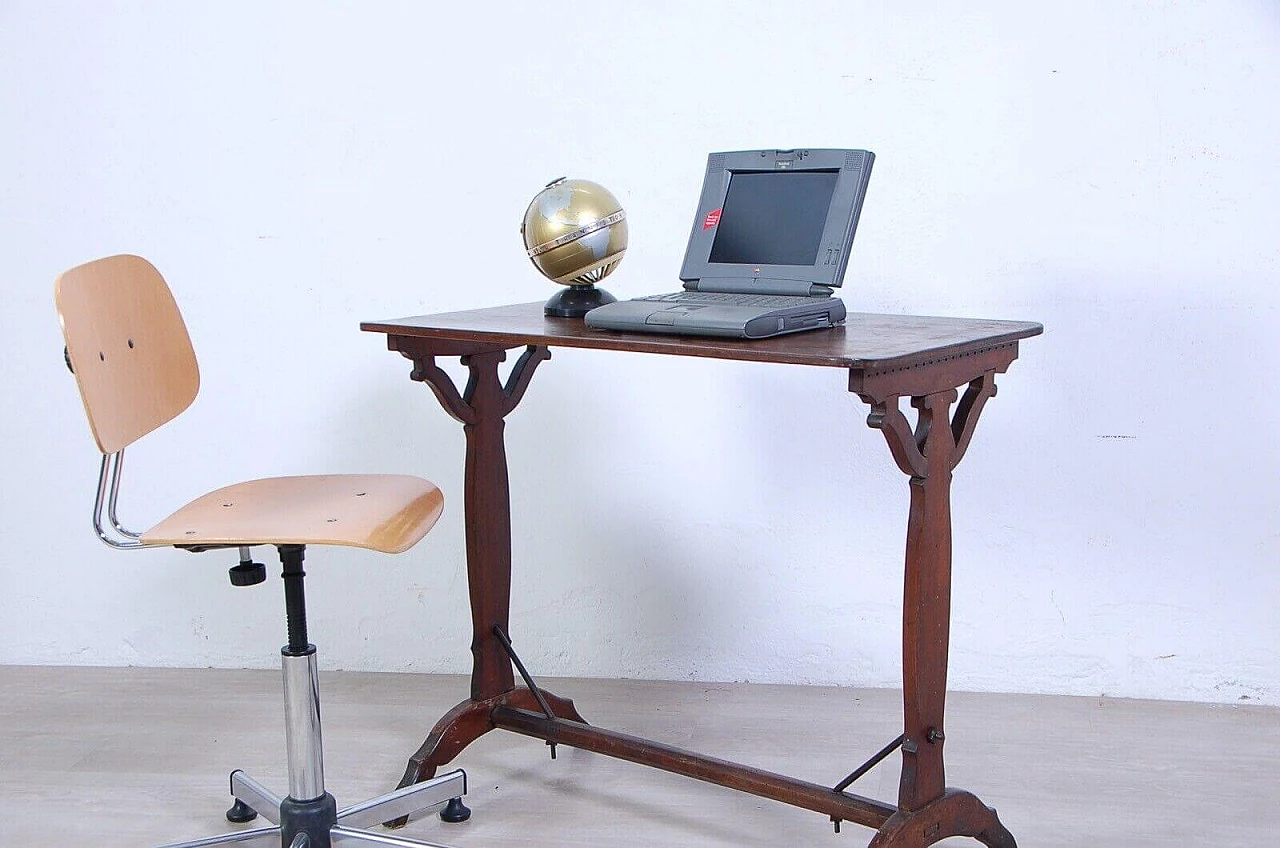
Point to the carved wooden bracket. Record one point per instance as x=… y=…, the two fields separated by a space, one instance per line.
x=521 y=374
x=965 y=420
x=918 y=450
x=426 y=371
x=459 y=404
x=906 y=447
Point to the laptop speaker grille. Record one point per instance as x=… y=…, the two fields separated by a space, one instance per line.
x=715 y=162
x=853 y=160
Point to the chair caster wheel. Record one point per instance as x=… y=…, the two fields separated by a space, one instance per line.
x=455 y=811
x=240 y=813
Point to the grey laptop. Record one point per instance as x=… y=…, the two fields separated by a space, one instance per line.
x=769 y=245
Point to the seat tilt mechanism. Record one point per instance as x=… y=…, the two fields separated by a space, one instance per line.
x=248 y=572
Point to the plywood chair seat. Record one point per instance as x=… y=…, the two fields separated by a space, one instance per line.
x=384 y=512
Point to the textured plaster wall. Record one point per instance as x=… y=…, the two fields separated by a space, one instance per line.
x=1106 y=168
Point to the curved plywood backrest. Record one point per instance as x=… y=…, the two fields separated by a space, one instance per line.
x=128 y=347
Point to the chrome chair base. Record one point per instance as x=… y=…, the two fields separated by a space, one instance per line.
x=346 y=830
x=309 y=817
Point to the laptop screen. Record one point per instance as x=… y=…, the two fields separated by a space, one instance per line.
x=773 y=217
x=777 y=215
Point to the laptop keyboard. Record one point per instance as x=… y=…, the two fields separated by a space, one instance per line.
x=770 y=301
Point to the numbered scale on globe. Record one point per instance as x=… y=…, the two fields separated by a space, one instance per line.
x=575 y=233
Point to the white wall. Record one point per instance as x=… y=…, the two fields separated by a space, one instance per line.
x=1106 y=168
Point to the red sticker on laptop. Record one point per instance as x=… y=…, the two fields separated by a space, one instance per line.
x=712 y=219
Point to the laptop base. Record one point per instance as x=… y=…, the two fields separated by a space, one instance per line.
x=743 y=322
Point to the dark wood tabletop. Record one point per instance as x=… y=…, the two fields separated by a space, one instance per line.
x=866 y=341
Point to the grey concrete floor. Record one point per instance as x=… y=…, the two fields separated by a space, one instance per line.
x=129 y=757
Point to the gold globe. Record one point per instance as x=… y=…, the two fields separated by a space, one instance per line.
x=575 y=232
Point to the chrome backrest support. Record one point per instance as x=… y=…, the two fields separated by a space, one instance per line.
x=109 y=481
x=116 y=467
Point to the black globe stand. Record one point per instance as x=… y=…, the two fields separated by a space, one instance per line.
x=576 y=301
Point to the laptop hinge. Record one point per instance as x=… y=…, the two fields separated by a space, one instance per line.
x=758 y=285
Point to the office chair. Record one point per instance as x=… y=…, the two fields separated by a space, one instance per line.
x=128 y=347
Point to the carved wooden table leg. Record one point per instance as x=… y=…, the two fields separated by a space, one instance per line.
x=481 y=408
x=928 y=452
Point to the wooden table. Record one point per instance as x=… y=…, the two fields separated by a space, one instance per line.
x=888 y=357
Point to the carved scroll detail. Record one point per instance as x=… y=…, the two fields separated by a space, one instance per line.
x=426 y=371
x=965 y=419
x=907 y=451
x=521 y=374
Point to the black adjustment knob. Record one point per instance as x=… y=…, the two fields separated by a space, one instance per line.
x=247 y=574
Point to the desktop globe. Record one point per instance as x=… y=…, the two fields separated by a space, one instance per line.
x=575 y=233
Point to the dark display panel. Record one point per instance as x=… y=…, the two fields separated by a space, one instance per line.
x=773 y=217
